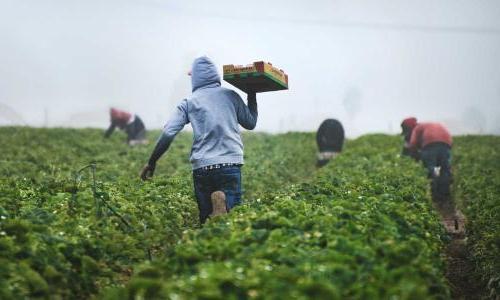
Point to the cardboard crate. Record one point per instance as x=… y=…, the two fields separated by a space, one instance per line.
x=259 y=77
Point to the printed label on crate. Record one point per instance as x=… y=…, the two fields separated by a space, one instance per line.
x=232 y=69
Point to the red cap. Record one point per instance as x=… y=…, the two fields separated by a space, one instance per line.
x=409 y=123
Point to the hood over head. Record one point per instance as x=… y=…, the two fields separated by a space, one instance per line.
x=204 y=73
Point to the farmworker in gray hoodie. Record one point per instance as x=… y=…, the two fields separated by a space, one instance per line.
x=217 y=152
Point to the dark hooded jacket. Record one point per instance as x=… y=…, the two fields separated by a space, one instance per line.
x=330 y=136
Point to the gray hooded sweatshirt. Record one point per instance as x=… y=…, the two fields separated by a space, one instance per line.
x=214 y=113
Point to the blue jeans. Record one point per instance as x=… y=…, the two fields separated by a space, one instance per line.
x=226 y=179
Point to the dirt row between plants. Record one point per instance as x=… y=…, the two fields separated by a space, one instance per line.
x=460 y=269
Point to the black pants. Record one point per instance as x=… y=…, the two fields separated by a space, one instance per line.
x=135 y=130
x=438 y=155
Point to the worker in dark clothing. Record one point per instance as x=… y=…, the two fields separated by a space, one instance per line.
x=433 y=142
x=215 y=113
x=131 y=124
x=330 y=139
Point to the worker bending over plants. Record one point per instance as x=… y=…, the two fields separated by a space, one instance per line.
x=217 y=152
x=430 y=142
x=131 y=124
x=330 y=139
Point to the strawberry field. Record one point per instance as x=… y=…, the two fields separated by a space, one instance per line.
x=76 y=221
x=478 y=193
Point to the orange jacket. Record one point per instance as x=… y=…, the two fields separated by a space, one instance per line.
x=427 y=133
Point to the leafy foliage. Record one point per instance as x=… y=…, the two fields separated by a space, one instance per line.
x=362 y=228
x=477 y=187
x=55 y=242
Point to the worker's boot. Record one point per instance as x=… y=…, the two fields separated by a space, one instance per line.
x=218 y=203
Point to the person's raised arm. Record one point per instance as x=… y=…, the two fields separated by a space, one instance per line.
x=247 y=114
x=176 y=123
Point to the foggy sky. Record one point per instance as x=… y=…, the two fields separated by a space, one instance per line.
x=367 y=63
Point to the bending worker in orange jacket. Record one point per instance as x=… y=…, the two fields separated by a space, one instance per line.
x=432 y=143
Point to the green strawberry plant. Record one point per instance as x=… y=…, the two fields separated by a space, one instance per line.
x=477 y=191
x=362 y=228
x=55 y=242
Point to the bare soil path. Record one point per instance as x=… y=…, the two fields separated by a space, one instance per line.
x=459 y=267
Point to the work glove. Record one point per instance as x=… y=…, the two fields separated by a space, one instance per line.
x=147 y=171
